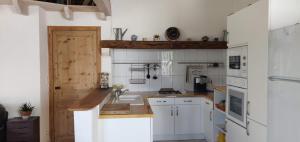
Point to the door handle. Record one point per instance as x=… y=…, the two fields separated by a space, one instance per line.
x=57 y=87
x=248 y=107
x=177 y=111
x=247 y=128
x=210 y=115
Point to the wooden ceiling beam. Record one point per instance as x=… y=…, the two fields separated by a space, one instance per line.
x=104 y=6
x=20 y=7
x=86 y=2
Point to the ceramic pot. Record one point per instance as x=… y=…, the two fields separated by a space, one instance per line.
x=25 y=114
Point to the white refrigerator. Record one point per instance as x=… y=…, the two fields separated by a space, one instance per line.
x=284 y=85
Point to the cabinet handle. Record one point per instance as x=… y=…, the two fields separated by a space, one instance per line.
x=247 y=128
x=158 y=101
x=172 y=113
x=207 y=103
x=225 y=124
x=248 y=107
x=210 y=115
x=187 y=101
x=177 y=111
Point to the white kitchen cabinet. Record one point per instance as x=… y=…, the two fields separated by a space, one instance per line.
x=207 y=106
x=163 y=122
x=258 y=62
x=257 y=132
x=245 y=28
x=235 y=133
x=237 y=29
x=177 y=118
x=188 y=119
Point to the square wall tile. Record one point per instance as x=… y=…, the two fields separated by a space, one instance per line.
x=121 y=70
x=178 y=55
x=166 y=82
x=119 y=55
x=166 y=55
x=178 y=82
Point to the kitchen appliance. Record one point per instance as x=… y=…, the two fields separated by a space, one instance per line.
x=119 y=33
x=237 y=61
x=168 y=91
x=200 y=83
x=104 y=83
x=237 y=100
x=3 y=120
x=284 y=85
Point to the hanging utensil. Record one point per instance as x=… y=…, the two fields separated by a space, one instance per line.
x=148 y=73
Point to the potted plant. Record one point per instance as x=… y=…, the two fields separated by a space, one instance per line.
x=26 y=110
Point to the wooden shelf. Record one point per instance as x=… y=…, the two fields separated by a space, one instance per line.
x=163 y=44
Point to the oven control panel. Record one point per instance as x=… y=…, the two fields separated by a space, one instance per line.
x=238 y=82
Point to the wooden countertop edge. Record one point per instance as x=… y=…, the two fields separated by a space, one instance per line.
x=94 y=98
x=117 y=116
x=221 y=89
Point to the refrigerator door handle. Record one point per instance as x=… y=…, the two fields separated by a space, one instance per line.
x=284 y=78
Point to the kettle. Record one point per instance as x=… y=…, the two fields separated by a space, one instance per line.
x=119 y=33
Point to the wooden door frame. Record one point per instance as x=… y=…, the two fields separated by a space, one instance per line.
x=51 y=29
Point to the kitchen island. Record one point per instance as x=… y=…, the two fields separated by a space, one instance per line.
x=95 y=122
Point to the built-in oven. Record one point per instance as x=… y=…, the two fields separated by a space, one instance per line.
x=237 y=61
x=237 y=95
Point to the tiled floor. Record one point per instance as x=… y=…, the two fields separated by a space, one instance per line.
x=184 y=141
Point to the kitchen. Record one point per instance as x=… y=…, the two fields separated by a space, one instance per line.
x=163 y=71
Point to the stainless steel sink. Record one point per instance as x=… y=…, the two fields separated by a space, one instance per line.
x=129 y=99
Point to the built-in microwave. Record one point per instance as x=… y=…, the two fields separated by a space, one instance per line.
x=237 y=95
x=237 y=61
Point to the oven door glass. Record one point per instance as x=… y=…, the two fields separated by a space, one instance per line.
x=235 y=62
x=236 y=104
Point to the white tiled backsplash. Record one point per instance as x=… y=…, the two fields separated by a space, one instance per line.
x=171 y=74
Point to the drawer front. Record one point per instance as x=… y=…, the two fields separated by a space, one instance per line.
x=188 y=101
x=19 y=125
x=161 y=101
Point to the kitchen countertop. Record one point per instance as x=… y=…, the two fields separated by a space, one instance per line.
x=142 y=111
x=94 y=98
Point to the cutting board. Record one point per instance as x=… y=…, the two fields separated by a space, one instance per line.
x=116 y=109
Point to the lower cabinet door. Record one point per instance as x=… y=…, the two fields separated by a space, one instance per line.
x=257 y=132
x=163 y=121
x=236 y=133
x=188 y=119
x=208 y=120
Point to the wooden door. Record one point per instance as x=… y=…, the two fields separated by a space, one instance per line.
x=74 y=68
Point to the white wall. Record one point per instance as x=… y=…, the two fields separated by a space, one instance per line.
x=194 y=18
x=44 y=77
x=284 y=13
x=19 y=59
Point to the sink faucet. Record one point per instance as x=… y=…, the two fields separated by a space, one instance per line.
x=120 y=92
